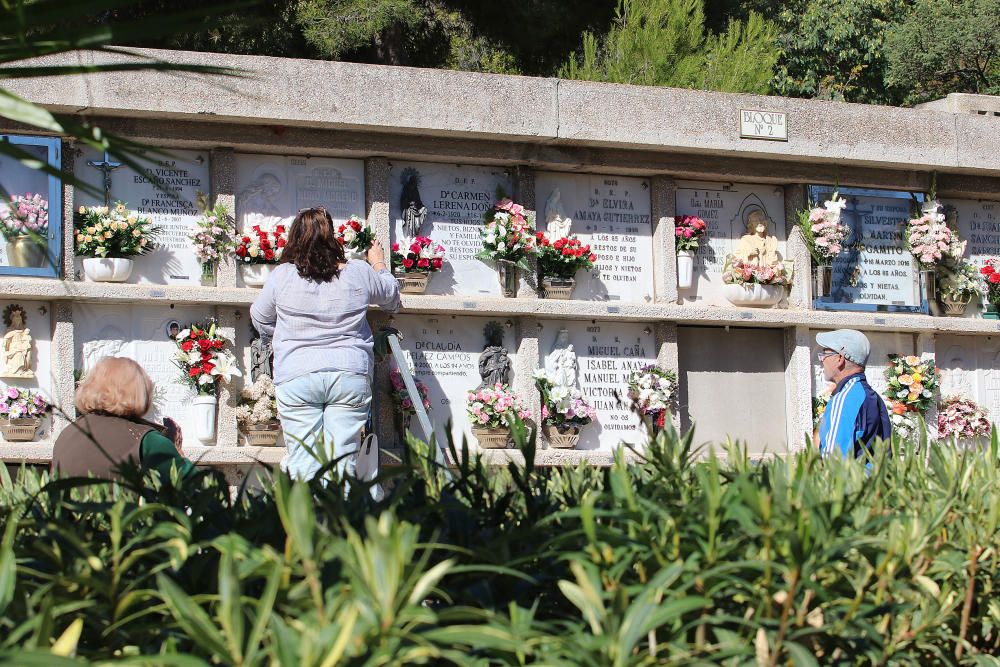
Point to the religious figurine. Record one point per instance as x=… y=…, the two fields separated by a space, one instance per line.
x=561 y=366
x=494 y=364
x=16 y=344
x=556 y=223
x=757 y=246
x=412 y=207
x=261 y=356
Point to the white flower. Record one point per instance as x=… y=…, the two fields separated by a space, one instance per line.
x=835 y=204
x=350 y=235
x=225 y=367
x=501 y=246
x=193 y=357
x=183 y=334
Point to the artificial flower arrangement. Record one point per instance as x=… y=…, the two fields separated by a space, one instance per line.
x=25 y=215
x=258 y=404
x=930 y=240
x=203 y=357
x=738 y=272
x=910 y=386
x=962 y=418
x=563 y=257
x=688 y=232
x=114 y=232
x=19 y=403
x=957 y=285
x=212 y=236
x=495 y=407
x=261 y=246
x=991 y=282
x=401 y=398
x=356 y=236
x=653 y=391
x=422 y=256
x=823 y=231
x=562 y=407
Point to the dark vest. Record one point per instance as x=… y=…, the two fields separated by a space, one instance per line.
x=97 y=444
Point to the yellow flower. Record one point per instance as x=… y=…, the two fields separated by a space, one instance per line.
x=913 y=396
x=107 y=235
x=83 y=210
x=91 y=230
x=88 y=238
x=917 y=377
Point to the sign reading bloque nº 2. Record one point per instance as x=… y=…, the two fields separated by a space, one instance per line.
x=756 y=124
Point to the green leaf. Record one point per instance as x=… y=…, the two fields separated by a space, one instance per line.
x=192 y=619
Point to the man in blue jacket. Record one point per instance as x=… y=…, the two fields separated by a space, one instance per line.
x=855 y=415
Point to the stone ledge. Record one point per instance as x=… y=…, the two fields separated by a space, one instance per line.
x=543 y=457
x=41 y=452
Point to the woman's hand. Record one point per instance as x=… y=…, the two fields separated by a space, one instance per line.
x=376 y=255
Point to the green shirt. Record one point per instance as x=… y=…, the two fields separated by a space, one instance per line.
x=158 y=453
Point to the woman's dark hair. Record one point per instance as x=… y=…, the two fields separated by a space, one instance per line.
x=313 y=246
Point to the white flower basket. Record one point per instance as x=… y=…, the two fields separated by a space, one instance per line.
x=20 y=430
x=107 y=269
x=255 y=275
x=755 y=295
x=565 y=439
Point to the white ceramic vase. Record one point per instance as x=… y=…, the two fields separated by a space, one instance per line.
x=203 y=418
x=255 y=275
x=685 y=269
x=755 y=295
x=107 y=269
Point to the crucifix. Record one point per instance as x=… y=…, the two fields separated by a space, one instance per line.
x=106 y=166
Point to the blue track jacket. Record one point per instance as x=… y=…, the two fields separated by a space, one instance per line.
x=854 y=418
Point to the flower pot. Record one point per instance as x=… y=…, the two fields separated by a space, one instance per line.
x=510 y=277
x=107 y=269
x=492 y=438
x=262 y=435
x=203 y=418
x=991 y=312
x=208 y=271
x=558 y=288
x=955 y=308
x=414 y=282
x=754 y=295
x=685 y=269
x=23 y=251
x=561 y=437
x=822 y=280
x=255 y=275
x=20 y=430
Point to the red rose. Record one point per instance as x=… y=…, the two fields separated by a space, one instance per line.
x=540 y=235
x=559 y=244
x=436 y=263
x=256 y=228
x=194 y=372
x=545 y=242
x=281 y=243
x=593 y=258
x=206 y=367
x=395 y=247
x=994 y=278
x=241 y=251
x=206 y=356
x=204 y=345
x=415 y=248
x=986 y=270
x=280 y=229
x=269 y=254
x=355 y=225
x=246 y=239
x=424 y=263
x=187 y=345
x=408 y=263
x=219 y=344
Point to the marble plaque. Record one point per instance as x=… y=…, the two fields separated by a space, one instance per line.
x=725 y=208
x=181 y=175
x=607 y=353
x=612 y=214
x=882 y=345
x=455 y=198
x=969 y=367
x=140 y=333
x=875 y=267
x=978 y=224
x=445 y=354
x=17 y=179
x=274 y=188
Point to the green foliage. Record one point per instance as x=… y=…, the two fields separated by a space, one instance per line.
x=673 y=561
x=834 y=49
x=946 y=47
x=664 y=43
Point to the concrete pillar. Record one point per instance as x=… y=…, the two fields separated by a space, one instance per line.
x=69 y=155
x=927 y=351
x=524 y=194
x=667 y=357
x=798 y=386
x=381 y=407
x=526 y=360
x=377 y=171
x=228 y=395
x=663 y=205
x=796 y=199
x=222 y=172
x=61 y=363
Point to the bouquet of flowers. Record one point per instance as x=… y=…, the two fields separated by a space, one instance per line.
x=962 y=418
x=356 y=235
x=25 y=215
x=563 y=257
x=261 y=246
x=958 y=282
x=507 y=234
x=423 y=256
x=822 y=230
x=991 y=278
x=203 y=357
x=911 y=382
x=401 y=399
x=17 y=403
x=495 y=407
x=212 y=234
x=738 y=272
x=258 y=404
x=562 y=406
x=653 y=392
x=114 y=232
x=904 y=422
x=930 y=240
x=688 y=230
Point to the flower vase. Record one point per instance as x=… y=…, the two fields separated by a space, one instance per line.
x=413 y=282
x=558 y=288
x=25 y=252
x=20 y=430
x=754 y=295
x=822 y=281
x=991 y=312
x=685 y=269
x=561 y=437
x=262 y=435
x=107 y=269
x=255 y=275
x=955 y=307
x=203 y=418
x=509 y=275
x=208 y=272
x=491 y=438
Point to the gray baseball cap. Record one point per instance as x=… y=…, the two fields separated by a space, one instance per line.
x=852 y=344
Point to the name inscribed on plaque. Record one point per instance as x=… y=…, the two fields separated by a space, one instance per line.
x=979 y=224
x=612 y=215
x=166 y=190
x=770 y=125
x=875 y=266
x=447 y=204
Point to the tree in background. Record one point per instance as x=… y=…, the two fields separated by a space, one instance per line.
x=946 y=47
x=834 y=49
x=665 y=43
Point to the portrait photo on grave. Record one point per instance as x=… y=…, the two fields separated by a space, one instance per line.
x=173 y=328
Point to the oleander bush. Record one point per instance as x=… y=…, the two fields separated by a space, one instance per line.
x=680 y=559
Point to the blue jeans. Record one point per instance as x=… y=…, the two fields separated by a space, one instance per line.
x=322 y=415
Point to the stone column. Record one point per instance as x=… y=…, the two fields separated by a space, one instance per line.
x=228 y=395
x=663 y=205
x=524 y=194
x=381 y=407
x=69 y=155
x=526 y=360
x=927 y=351
x=667 y=357
x=798 y=387
x=222 y=162
x=61 y=362
x=377 y=174
x=800 y=295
